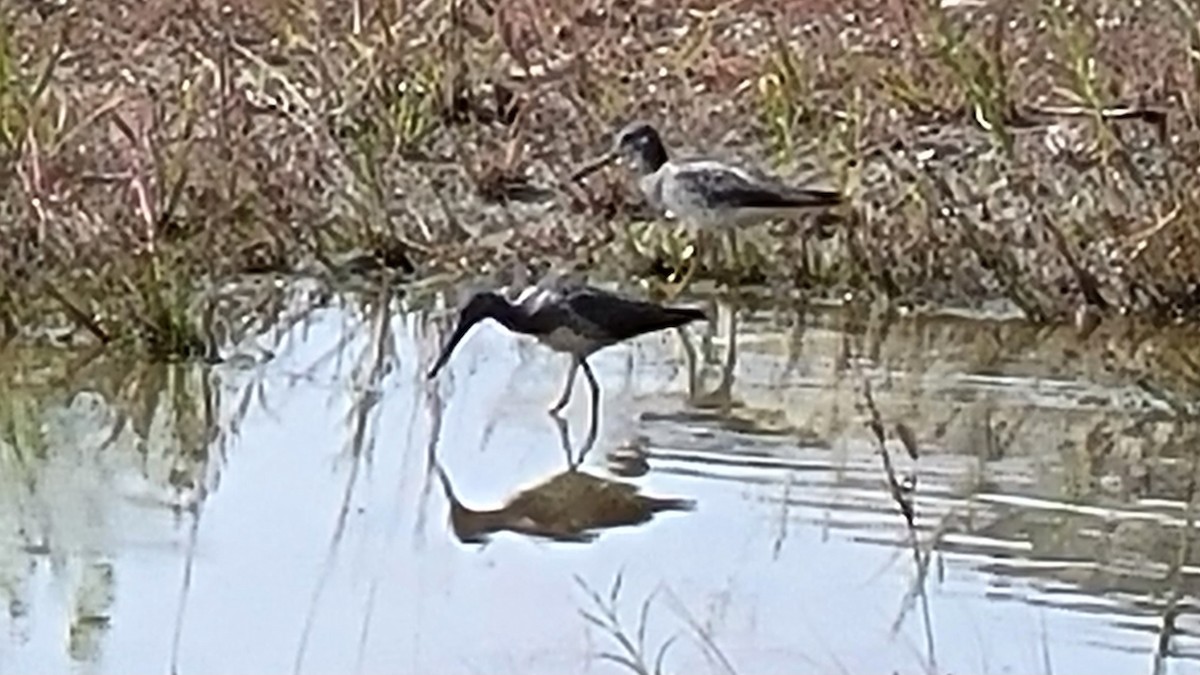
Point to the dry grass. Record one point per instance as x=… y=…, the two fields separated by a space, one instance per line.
x=1043 y=153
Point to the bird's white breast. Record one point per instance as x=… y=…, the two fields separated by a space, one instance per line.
x=688 y=205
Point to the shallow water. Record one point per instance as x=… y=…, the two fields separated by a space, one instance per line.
x=281 y=514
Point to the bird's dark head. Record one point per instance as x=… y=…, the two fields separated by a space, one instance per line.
x=482 y=306
x=640 y=145
x=485 y=305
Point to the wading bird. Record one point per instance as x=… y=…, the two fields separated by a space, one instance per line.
x=571 y=318
x=706 y=194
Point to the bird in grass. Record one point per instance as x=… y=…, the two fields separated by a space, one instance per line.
x=572 y=506
x=571 y=318
x=705 y=193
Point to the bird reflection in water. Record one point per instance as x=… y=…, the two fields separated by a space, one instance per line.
x=572 y=506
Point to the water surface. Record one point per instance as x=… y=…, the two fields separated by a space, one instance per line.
x=279 y=512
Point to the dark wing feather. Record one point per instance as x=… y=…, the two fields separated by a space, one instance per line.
x=723 y=187
x=607 y=316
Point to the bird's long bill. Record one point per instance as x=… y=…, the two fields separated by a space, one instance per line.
x=593 y=166
x=460 y=331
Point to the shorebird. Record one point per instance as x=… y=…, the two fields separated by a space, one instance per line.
x=570 y=318
x=705 y=193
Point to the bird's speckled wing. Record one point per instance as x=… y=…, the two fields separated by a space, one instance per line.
x=715 y=185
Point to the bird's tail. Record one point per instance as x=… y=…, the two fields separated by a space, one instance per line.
x=685 y=315
x=639 y=318
x=674 y=317
x=812 y=198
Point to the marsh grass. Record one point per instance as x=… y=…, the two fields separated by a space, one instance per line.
x=634 y=653
x=170 y=326
x=150 y=155
x=977 y=65
x=783 y=97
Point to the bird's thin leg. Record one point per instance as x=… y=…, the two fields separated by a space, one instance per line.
x=735 y=262
x=566 y=394
x=711 y=330
x=693 y=367
x=707 y=251
x=726 y=387
x=590 y=441
x=593 y=427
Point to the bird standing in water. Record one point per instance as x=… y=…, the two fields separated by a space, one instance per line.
x=571 y=318
x=704 y=193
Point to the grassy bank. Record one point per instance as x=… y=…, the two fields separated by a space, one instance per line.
x=1042 y=153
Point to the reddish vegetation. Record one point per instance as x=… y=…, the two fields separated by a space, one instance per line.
x=165 y=143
